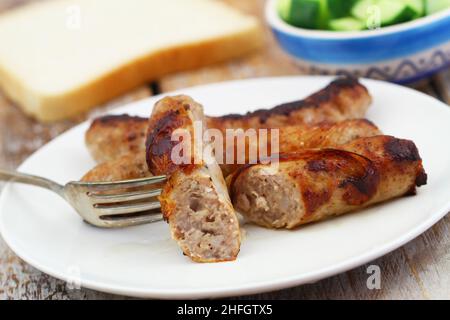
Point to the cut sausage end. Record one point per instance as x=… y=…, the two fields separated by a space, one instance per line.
x=268 y=199
x=204 y=225
x=313 y=185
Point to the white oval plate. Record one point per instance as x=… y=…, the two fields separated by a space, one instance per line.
x=143 y=261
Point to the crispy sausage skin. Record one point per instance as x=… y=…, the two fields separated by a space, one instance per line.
x=111 y=137
x=343 y=98
x=313 y=184
x=171 y=115
x=296 y=138
x=195 y=199
x=127 y=167
x=291 y=139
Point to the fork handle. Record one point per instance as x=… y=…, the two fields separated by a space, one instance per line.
x=14 y=176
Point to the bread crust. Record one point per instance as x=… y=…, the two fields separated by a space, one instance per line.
x=147 y=67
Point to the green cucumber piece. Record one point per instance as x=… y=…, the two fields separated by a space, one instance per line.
x=309 y=14
x=360 y=9
x=340 y=8
x=382 y=12
x=417 y=8
x=393 y=12
x=284 y=9
x=327 y=14
x=324 y=15
x=304 y=13
x=346 y=24
x=433 y=6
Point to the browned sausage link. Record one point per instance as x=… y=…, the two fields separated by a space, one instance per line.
x=344 y=98
x=111 y=137
x=130 y=166
x=315 y=184
x=169 y=115
x=195 y=198
x=127 y=167
x=296 y=138
x=292 y=139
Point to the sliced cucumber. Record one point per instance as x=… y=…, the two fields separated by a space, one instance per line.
x=305 y=13
x=417 y=8
x=361 y=9
x=382 y=12
x=347 y=24
x=345 y=15
x=393 y=12
x=340 y=8
x=324 y=14
x=284 y=9
x=310 y=14
x=433 y=6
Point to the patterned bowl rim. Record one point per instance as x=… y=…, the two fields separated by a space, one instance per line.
x=277 y=23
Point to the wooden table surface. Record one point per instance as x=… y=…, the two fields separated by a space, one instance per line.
x=418 y=270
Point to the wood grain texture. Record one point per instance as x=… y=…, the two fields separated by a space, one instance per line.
x=442 y=84
x=418 y=270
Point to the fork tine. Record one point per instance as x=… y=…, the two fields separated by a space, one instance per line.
x=105 y=210
x=132 y=221
x=123 y=197
x=106 y=186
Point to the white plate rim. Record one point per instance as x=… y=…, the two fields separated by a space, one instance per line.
x=247 y=289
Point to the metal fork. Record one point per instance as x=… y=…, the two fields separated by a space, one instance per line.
x=104 y=204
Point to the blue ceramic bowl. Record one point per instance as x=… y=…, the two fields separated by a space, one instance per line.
x=402 y=53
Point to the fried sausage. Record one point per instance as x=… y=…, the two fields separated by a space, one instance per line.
x=343 y=98
x=313 y=185
x=291 y=139
x=195 y=199
x=128 y=167
x=111 y=137
x=296 y=138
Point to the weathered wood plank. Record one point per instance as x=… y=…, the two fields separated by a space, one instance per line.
x=437 y=86
x=9 y=4
x=442 y=81
x=418 y=270
x=425 y=86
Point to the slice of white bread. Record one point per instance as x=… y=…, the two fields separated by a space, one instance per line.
x=59 y=58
